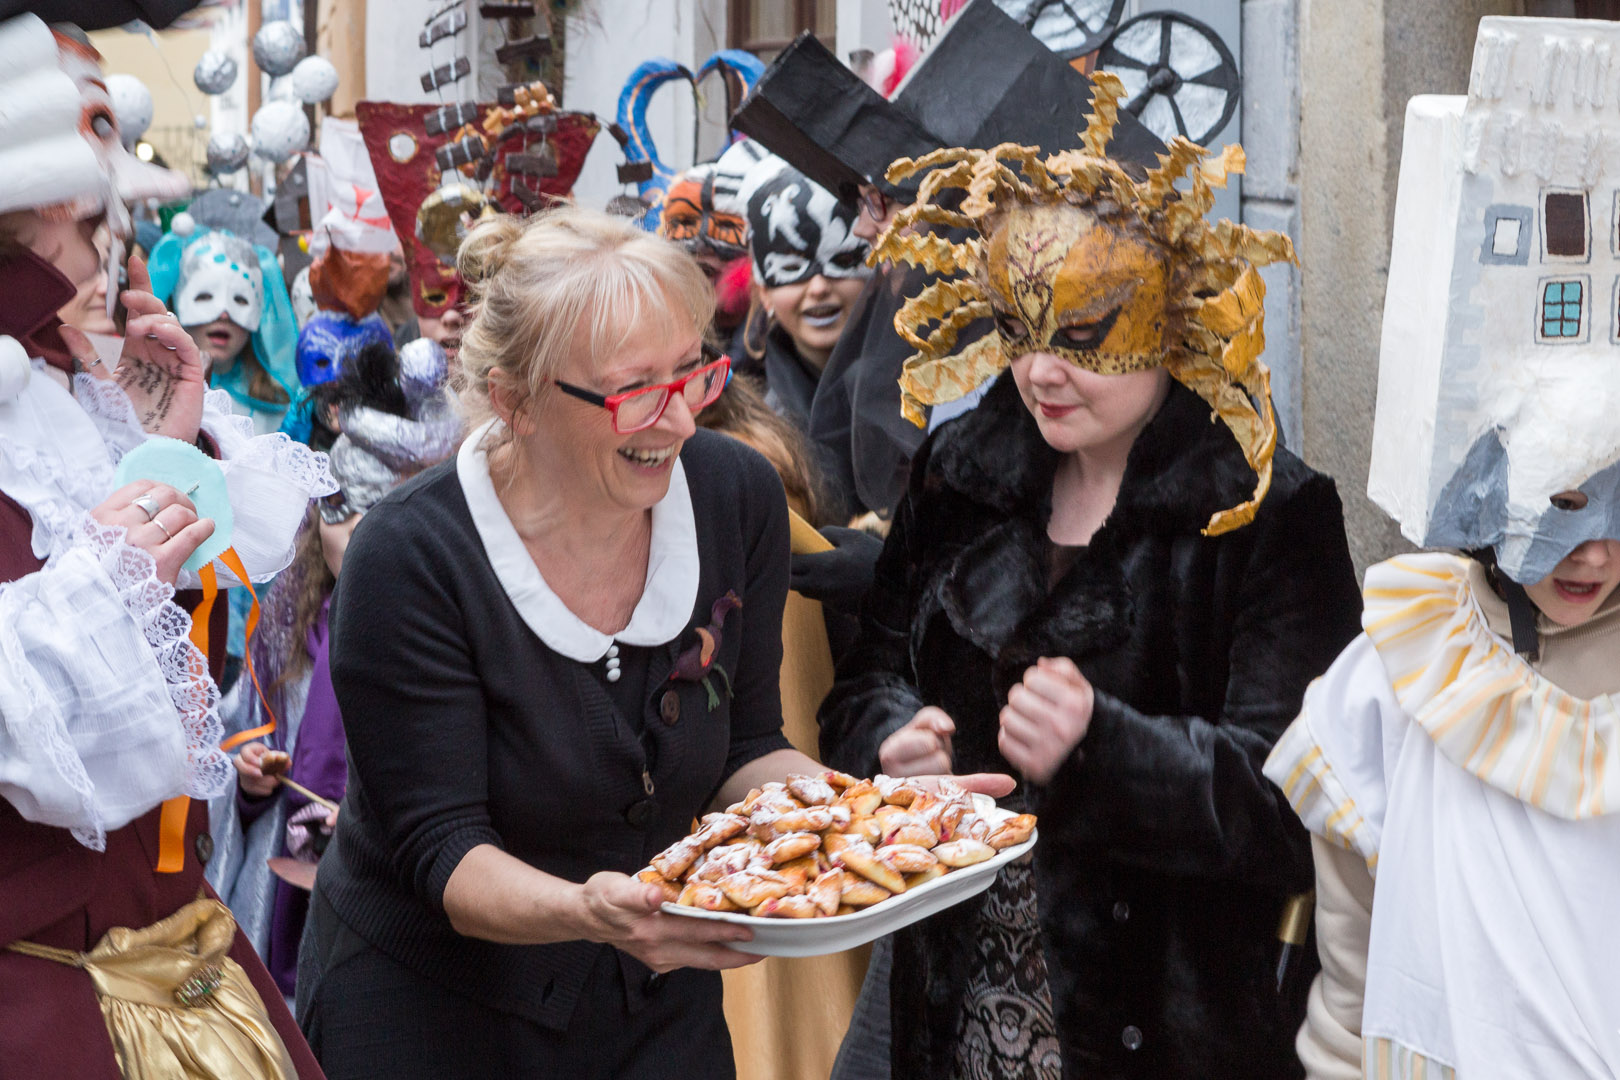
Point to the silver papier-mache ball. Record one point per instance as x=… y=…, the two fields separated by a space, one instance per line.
x=215 y=72
x=314 y=79
x=227 y=152
x=277 y=47
x=280 y=128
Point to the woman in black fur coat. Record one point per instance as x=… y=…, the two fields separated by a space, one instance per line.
x=1067 y=596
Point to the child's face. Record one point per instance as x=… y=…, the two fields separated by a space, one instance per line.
x=220 y=341
x=1579 y=585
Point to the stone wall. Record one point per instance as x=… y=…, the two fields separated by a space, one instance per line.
x=1359 y=63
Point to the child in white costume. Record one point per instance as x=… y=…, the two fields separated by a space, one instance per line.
x=1464 y=752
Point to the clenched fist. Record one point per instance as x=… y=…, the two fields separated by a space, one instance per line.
x=1045 y=718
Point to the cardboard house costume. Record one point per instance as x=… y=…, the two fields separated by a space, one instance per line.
x=1462 y=751
x=1504 y=303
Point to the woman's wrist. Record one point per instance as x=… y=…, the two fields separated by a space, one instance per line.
x=580 y=916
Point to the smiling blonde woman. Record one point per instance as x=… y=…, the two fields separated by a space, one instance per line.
x=507 y=635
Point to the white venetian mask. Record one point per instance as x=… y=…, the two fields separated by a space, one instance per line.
x=219 y=275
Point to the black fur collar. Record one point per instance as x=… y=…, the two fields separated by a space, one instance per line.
x=1184 y=467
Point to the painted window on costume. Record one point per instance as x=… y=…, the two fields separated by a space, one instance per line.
x=1509 y=235
x=1563 y=302
x=1566 y=230
x=1614 y=314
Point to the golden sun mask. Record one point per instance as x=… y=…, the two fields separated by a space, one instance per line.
x=1063 y=281
x=1070 y=254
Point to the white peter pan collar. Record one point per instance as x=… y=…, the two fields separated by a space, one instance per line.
x=672 y=565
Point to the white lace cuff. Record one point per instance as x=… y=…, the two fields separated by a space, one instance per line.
x=96 y=666
x=109 y=408
x=167 y=629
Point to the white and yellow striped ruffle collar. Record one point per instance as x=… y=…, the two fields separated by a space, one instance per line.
x=1386 y=1059
x=1487 y=710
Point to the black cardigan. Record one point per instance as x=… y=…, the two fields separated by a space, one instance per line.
x=1165 y=854
x=464 y=728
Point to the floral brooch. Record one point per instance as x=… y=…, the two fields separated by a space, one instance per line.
x=697 y=662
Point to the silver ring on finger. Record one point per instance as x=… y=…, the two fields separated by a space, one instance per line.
x=147 y=505
x=164 y=527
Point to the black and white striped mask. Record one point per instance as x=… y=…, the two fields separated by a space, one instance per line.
x=797 y=229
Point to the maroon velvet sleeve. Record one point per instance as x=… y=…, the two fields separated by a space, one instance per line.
x=17 y=557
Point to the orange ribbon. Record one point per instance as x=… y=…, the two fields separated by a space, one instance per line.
x=234 y=562
x=172 y=823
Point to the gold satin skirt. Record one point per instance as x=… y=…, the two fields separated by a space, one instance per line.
x=176 y=1006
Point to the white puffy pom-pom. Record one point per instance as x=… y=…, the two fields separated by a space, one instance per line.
x=15 y=368
x=183 y=224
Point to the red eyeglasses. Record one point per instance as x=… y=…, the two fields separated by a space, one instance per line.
x=639 y=409
x=874 y=202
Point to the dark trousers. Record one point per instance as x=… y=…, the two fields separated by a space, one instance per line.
x=368 y=1016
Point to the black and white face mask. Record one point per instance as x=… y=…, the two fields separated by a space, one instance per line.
x=797 y=229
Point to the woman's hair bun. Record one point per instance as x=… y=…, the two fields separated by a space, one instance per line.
x=487 y=248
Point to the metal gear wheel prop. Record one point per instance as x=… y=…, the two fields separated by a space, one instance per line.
x=1069 y=28
x=1179 y=76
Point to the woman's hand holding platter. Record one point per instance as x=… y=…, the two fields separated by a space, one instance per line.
x=623 y=912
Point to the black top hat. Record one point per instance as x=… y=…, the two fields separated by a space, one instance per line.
x=985 y=81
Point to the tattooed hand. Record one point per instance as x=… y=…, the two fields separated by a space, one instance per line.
x=161 y=369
